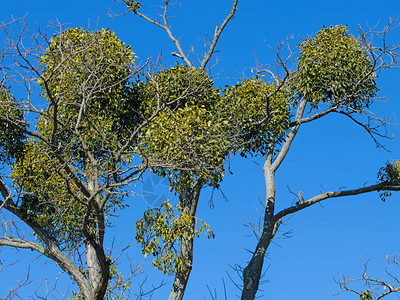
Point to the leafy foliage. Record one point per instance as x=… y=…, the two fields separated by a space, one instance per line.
x=192 y=141
x=91 y=105
x=189 y=135
x=161 y=231
x=334 y=68
x=133 y=5
x=48 y=197
x=366 y=295
x=189 y=139
x=11 y=138
x=258 y=113
x=390 y=175
x=86 y=82
x=179 y=86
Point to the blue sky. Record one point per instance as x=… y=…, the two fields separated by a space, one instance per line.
x=330 y=153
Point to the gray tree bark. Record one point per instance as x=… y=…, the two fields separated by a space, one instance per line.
x=189 y=201
x=252 y=273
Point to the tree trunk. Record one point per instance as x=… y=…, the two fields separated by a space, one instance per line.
x=252 y=272
x=188 y=200
x=93 y=266
x=182 y=277
x=98 y=271
x=98 y=276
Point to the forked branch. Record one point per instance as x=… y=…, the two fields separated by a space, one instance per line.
x=134 y=6
x=374 y=288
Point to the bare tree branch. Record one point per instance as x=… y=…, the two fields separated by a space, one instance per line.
x=376 y=288
x=217 y=34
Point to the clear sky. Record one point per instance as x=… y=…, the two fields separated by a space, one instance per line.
x=327 y=239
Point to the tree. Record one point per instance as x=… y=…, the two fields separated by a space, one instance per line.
x=78 y=161
x=100 y=129
x=72 y=166
x=335 y=74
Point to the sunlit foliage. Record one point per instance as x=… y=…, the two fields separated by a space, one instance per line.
x=161 y=231
x=189 y=134
x=258 y=113
x=333 y=67
x=11 y=137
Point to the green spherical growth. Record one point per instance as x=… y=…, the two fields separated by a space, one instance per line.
x=85 y=79
x=334 y=68
x=11 y=137
x=188 y=135
x=89 y=103
x=175 y=87
x=79 y=64
x=191 y=140
x=258 y=113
